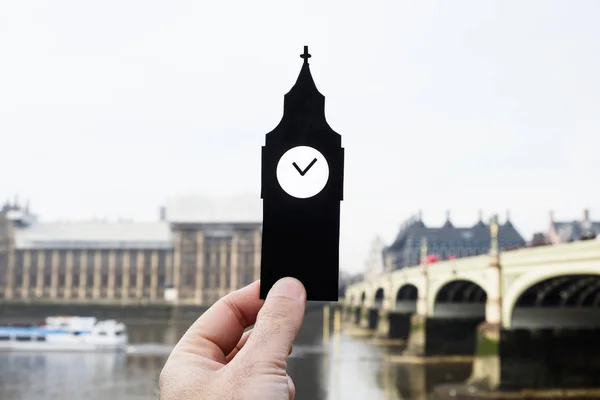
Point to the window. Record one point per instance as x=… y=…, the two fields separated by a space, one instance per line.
x=89 y=270
x=47 y=268
x=162 y=268
x=3 y=265
x=62 y=267
x=207 y=265
x=248 y=267
x=75 y=280
x=104 y=255
x=133 y=260
x=228 y=264
x=216 y=268
x=147 y=269
x=19 y=260
x=118 y=280
x=188 y=254
x=118 y=260
x=467 y=235
x=33 y=266
x=76 y=268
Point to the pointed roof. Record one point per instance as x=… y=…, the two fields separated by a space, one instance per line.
x=303 y=119
x=304 y=99
x=480 y=224
x=478 y=235
x=508 y=223
x=305 y=82
x=448 y=224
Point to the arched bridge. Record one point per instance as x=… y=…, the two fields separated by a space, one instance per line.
x=543 y=287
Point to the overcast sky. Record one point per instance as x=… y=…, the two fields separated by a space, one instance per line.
x=107 y=108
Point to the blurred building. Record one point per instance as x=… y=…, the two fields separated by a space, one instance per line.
x=447 y=241
x=374 y=264
x=539 y=239
x=569 y=231
x=347 y=279
x=206 y=249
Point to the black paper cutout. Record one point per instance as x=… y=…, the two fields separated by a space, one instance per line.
x=301 y=230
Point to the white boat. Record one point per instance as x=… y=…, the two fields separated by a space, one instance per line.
x=66 y=334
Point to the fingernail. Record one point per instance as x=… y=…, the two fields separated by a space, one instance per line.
x=288 y=287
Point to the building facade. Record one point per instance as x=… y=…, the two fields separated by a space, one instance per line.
x=570 y=231
x=447 y=241
x=212 y=259
x=124 y=261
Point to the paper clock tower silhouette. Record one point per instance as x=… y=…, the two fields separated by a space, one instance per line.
x=302 y=188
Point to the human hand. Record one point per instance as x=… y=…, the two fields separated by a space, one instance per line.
x=215 y=359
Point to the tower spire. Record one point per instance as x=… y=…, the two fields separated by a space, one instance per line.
x=508 y=223
x=448 y=224
x=305 y=55
x=304 y=103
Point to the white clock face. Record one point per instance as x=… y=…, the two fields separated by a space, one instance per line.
x=302 y=172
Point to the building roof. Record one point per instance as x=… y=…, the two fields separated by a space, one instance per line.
x=574 y=230
x=477 y=235
x=110 y=235
x=198 y=209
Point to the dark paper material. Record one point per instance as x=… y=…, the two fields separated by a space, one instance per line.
x=302 y=188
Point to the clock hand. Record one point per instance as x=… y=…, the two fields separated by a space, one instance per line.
x=302 y=173
x=297 y=168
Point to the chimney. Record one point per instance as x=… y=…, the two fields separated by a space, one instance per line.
x=551 y=216
x=480 y=215
x=447 y=215
x=163 y=213
x=507 y=215
x=586 y=215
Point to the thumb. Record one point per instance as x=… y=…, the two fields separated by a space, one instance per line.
x=277 y=323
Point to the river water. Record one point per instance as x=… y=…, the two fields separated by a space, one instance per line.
x=347 y=369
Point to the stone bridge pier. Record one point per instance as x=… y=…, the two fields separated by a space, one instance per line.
x=385 y=316
x=450 y=312
x=362 y=310
x=548 y=335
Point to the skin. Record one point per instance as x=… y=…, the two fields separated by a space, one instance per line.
x=215 y=359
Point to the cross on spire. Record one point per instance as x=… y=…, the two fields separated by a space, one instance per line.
x=305 y=55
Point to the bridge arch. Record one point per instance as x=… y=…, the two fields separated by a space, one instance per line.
x=560 y=296
x=406 y=299
x=460 y=298
x=379 y=298
x=481 y=280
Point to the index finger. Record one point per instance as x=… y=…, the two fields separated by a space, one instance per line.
x=216 y=332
